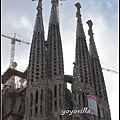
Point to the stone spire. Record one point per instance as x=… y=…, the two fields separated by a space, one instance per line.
x=54 y=44
x=37 y=53
x=55 y=68
x=98 y=78
x=82 y=61
x=82 y=54
x=80 y=30
x=54 y=19
x=92 y=46
x=36 y=73
x=39 y=19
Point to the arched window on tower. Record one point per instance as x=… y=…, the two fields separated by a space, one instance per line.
x=60 y=117
x=31 y=99
x=83 y=96
x=41 y=109
x=50 y=100
x=41 y=97
x=59 y=89
x=50 y=95
x=55 y=105
x=36 y=97
x=98 y=111
x=55 y=91
x=36 y=109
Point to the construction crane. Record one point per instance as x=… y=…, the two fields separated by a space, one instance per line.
x=11 y=81
x=13 y=41
x=113 y=70
x=109 y=70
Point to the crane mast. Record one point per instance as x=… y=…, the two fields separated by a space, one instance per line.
x=13 y=64
x=12 y=51
x=13 y=41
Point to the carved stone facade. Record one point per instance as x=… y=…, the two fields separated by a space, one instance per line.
x=46 y=94
x=13 y=105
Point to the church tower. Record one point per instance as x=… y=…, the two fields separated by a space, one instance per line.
x=45 y=92
x=36 y=74
x=98 y=79
x=55 y=67
x=82 y=77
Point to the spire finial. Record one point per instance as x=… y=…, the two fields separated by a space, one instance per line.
x=39 y=19
x=78 y=6
x=54 y=1
x=54 y=15
x=90 y=32
x=39 y=7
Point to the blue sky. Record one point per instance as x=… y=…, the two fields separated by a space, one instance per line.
x=19 y=17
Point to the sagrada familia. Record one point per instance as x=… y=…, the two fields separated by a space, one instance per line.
x=46 y=96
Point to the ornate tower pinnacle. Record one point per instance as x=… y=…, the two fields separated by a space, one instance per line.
x=92 y=46
x=54 y=17
x=78 y=6
x=54 y=1
x=39 y=20
x=55 y=55
x=39 y=7
x=80 y=30
x=90 y=32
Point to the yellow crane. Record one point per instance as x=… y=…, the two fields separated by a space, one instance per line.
x=13 y=41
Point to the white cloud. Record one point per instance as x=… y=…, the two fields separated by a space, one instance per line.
x=23 y=22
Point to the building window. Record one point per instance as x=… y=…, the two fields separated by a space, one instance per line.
x=37 y=78
x=36 y=96
x=40 y=109
x=36 y=109
x=60 y=104
x=51 y=106
x=60 y=89
x=83 y=96
x=41 y=95
x=50 y=95
x=31 y=113
x=60 y=117
x=55 y=106
x=55 y=91
x=37 y=73
x=31 y=99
